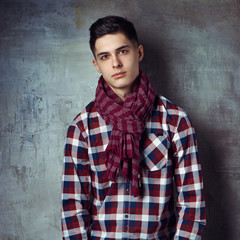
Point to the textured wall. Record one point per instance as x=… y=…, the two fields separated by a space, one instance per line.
x=192 y=56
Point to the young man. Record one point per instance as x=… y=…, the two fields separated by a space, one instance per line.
x=125 y=150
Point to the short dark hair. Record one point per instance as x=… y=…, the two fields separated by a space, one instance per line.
x=111 y=24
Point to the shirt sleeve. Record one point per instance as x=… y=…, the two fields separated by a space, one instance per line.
x=190 y=204
x=75 y=186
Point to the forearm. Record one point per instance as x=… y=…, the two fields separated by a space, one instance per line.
x=75 y=220
x=190 y=204
x=188 y=230
x=75 y=188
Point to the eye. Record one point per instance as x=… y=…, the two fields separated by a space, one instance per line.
x=123 y=51
x=104 y=57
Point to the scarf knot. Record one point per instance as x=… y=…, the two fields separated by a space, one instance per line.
x=128 y=121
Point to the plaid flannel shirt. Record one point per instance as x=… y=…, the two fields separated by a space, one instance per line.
x=95 y=208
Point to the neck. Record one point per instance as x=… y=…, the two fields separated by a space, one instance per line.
x=123 y=93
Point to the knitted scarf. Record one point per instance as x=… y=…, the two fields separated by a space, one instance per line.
x=127 y=119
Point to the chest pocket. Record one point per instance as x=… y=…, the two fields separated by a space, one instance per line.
x=154 y=152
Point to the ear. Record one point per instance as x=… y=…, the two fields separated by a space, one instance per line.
x=140 y=53
x=96 y=65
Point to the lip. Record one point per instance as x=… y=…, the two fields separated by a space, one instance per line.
x=119 y=75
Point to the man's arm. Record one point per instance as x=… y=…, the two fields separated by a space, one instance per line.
x=190 y=204
x=75 y=186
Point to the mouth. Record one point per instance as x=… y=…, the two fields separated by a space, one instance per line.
x=119 y=75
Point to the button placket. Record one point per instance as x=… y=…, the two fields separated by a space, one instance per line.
x=126 y=208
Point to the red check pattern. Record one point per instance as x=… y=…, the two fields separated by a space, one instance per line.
x=95 y=208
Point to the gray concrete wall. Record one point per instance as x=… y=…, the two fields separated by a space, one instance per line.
x=192 y=56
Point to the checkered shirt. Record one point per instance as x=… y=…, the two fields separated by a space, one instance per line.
x=95 y=208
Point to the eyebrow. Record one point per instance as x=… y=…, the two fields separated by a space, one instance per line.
x=103 y=53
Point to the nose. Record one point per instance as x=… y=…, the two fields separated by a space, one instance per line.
x=116 y=63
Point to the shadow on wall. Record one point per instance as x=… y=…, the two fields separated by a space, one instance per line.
x=155 y=66
x=216 y=185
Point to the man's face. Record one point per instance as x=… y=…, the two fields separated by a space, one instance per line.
x=117 y=59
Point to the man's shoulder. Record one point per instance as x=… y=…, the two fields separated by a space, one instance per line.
x=167 y=115
x=90 y=108
x=166 y=106
x=88 y=113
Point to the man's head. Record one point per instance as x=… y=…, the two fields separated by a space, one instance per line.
x=110 y=25
x=117 y=53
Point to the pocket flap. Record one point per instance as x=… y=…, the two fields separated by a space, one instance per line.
x=155 y=152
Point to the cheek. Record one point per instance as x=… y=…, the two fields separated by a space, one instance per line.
x=105 y=66
x=134 y=66
x=134 y=61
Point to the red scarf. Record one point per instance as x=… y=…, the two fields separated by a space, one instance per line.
x=127 y=119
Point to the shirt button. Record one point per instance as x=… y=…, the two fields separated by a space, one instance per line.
x=126 y=216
